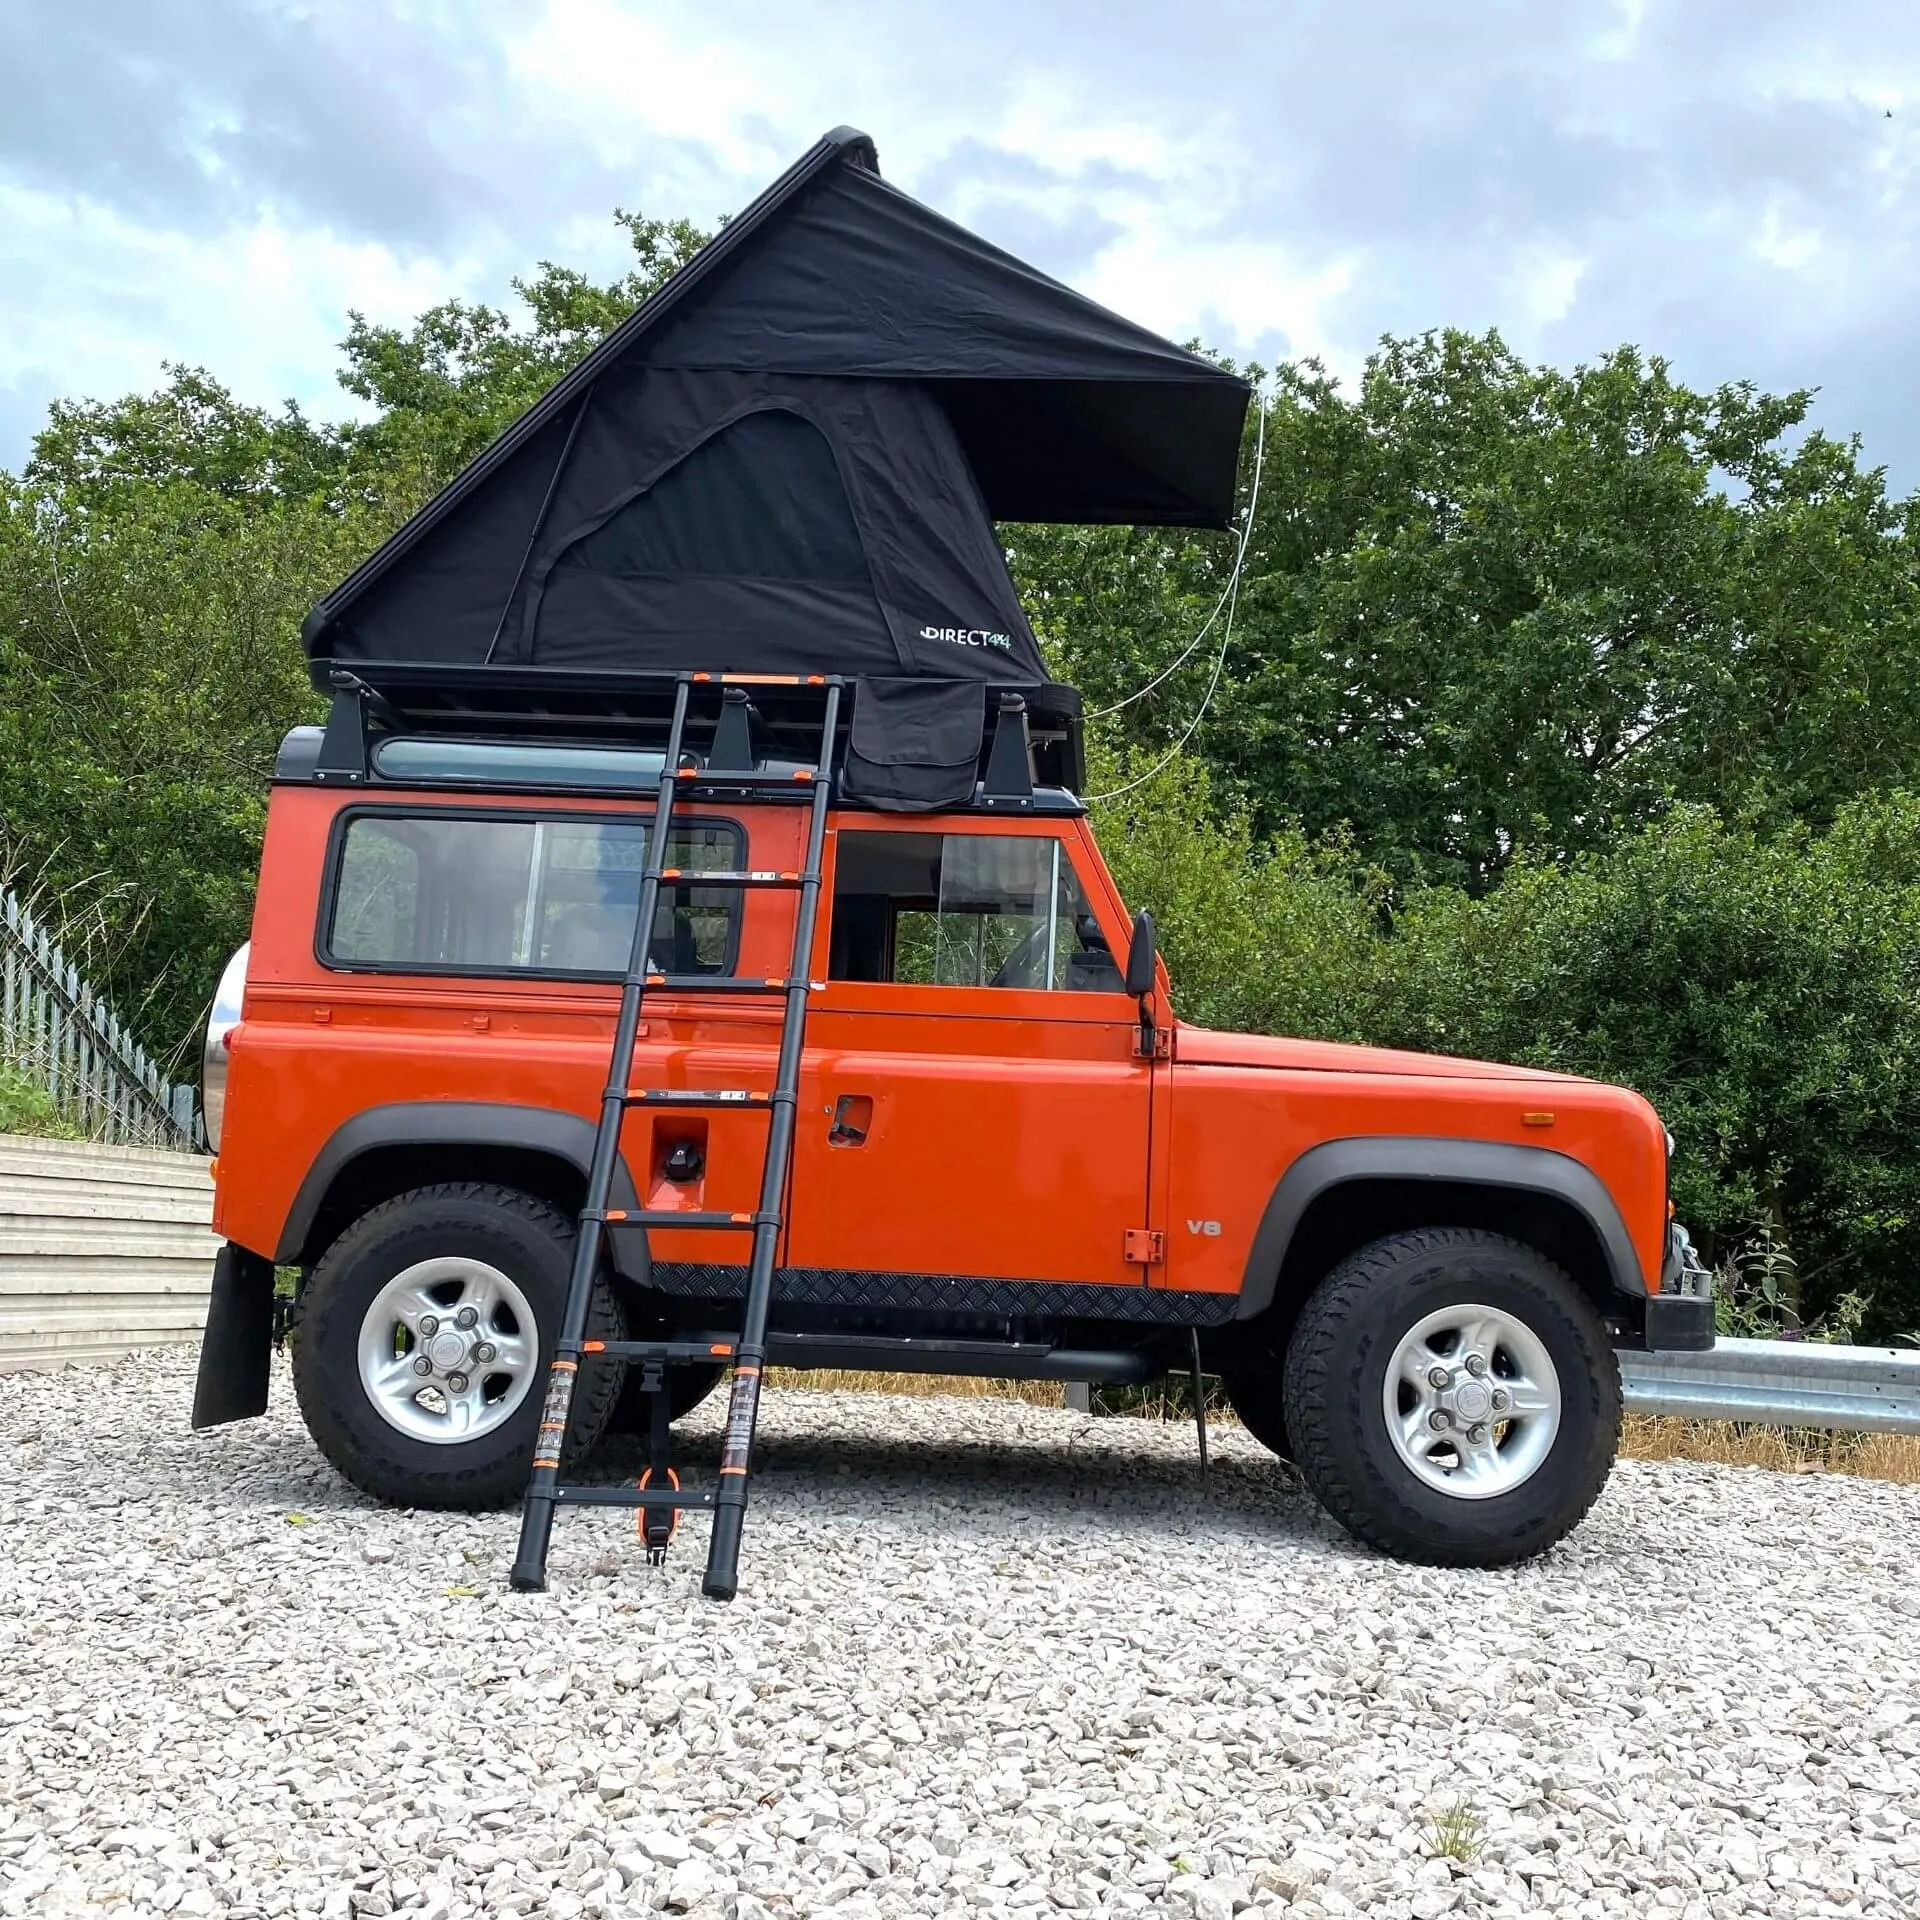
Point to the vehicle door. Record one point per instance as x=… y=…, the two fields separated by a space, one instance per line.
x=973 y=1104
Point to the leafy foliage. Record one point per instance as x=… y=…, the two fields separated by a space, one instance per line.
x=26 y=1107
x=1490 y=608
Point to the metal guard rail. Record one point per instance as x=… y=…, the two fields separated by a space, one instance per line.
x=1780 y=1383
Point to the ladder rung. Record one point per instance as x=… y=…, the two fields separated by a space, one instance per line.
x=713 y=983
x=673 y=1217
x=728 y=877
x=751 y=782
x=695 y=1097
x=634 y=1496
x=759 y=679
x=671 y=1352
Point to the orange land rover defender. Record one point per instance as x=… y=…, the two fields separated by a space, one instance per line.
x=1007 y=1154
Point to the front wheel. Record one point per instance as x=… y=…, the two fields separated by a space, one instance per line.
x=1452 y=1397
x=424 y=1339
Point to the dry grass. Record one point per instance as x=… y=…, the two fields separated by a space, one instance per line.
x=1873 y=1456
x=919 y=1386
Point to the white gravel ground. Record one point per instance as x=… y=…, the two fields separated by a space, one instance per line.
x=985 y=1657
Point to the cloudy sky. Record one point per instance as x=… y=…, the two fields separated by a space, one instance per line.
x=1733 y=183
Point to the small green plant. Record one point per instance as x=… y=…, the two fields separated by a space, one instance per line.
x=1752 y=1303
x=1455 y=1833
x=26 y=1107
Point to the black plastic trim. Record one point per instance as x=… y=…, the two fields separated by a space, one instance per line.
x=983 y=1359
x=1676 y=1323
x=953 y=1293
x=236 y=1350
x=1483 y=1163
x=461 y=1123
x=433 y=970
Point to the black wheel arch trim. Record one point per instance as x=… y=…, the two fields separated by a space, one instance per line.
x=1481 y=1163
x=461 y=1123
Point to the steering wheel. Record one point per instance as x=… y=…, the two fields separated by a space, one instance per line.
x=1026 y=965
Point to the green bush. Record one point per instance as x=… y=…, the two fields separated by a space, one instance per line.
x=25 y=1107
x=1270 y=937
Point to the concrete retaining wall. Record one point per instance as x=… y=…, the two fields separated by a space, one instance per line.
x=102 y=1249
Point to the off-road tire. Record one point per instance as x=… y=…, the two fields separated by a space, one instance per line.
x=525 y=1239
x=1336 y=1365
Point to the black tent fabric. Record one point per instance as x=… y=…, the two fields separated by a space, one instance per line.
x=790 y=459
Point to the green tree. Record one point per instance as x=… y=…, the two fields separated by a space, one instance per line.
x=1490 y=607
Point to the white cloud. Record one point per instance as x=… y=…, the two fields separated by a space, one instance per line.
x=1782 y=244
x=261 y=306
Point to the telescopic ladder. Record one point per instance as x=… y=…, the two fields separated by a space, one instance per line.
x=659 y=1496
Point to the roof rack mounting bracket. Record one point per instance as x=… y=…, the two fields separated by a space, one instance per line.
x=342 y=760
x=1009 y=760
x=733 y=746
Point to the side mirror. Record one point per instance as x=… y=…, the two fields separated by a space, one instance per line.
x=1142 y=950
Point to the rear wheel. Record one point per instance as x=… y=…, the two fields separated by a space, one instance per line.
x=425 y=1335
x=1452 y=1397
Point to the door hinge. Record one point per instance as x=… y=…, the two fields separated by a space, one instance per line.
x=1154 y=1043
x=1145 y=1247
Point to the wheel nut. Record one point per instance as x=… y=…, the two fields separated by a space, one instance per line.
x=467 y=1317
x=456 y=1383
x=1438 y=1420
x=1439 y=1377
x=1476 y=1364
x=482 y=1353
x=429 y=1326
x=1501 y=1401
x=423 y=1365
x=1476 y=1434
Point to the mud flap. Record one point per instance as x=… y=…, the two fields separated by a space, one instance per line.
x=236 y=1351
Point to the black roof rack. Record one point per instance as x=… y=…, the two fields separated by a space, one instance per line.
x=1032 y=738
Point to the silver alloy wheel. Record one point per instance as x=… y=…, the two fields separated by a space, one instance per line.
x=448 y=1350
x=1472 y=1401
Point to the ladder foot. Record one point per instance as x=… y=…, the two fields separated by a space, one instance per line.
x=528 y=1579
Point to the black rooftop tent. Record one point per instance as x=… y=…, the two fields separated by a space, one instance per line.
x=790 y=457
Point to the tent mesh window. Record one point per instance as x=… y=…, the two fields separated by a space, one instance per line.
x=762 y=499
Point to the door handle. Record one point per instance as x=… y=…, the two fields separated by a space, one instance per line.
x=852 y=1120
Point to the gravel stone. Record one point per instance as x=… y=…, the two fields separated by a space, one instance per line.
x=987 y=1659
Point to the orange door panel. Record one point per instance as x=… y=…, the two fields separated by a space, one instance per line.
x=1011 y=1146
x=971 y=1129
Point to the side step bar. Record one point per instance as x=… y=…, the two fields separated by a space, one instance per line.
x=990 y=1359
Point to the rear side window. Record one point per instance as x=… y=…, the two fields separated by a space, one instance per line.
x=463 y=893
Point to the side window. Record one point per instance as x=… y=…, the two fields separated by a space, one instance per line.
x=454 y=893
x=965 y=910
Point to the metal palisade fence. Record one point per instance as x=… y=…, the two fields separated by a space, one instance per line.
x=64 y=1037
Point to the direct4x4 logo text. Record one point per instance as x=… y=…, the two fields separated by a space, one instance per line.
x=969 y=637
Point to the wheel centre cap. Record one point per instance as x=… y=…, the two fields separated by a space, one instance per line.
x=1473 y=1399
x=447 y=1350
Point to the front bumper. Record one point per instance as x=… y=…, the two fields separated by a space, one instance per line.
x=1679 y=1318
